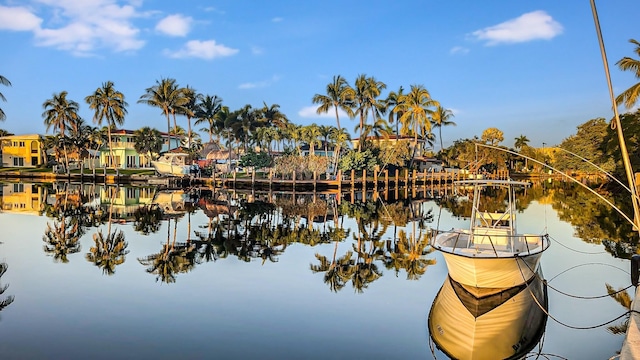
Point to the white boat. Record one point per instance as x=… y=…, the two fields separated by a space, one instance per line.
x=506 y=325
x=174 y=164
x=491 y=254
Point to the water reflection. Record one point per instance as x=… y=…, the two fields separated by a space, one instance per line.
x=4 y=300
x=506 y=325
x=287 y=250
x=109 y=250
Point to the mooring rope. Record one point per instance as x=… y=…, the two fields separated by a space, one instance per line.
x=567 y=294
x=578 y=251
x=580 y=265
x=535 y=299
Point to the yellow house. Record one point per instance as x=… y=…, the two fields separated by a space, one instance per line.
x=21 y=150
x=22 y=198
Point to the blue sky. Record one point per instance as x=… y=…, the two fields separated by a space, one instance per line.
x=526 y=67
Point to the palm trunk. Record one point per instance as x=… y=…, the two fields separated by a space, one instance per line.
x=168 y=131
x=110 y=147
x=189 y=133
x=337 y=118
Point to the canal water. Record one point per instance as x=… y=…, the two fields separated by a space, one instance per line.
x=95 y=272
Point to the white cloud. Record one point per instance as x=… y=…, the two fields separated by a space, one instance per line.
x=79 y=26
x=259 y=84
x=530 y=26
x=18 y=19
x=256 y=50
x=202 y=49
x=310 y=112
x=175 y=25
x=458 y=50
x=277 y=19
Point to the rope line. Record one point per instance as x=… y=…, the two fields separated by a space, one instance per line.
x=578 y=251
x=580 y=265
x=564 y=293
x=535 y=299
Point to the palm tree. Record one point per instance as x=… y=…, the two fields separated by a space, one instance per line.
x=311 y=134
x=340 y=138
x=60 y=113
x=416 y=111
x=188 y=109
x=3 y=81
x=521 y=141
x=379 y=129
x=206 y=110
x=440 y=118
x=97 y=137
x=109 y=106
x=165 y=95
x=339 y=96
x=367 y=91
x=147 y=140
x=393 y=102
x=271 y=115
x=630 y=96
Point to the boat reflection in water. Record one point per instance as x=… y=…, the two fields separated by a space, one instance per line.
x=505 y=325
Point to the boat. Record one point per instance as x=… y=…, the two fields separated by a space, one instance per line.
x=174 y=164
x=505 y=325
x=490 y=255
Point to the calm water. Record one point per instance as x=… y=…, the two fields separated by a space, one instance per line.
x=245 y=276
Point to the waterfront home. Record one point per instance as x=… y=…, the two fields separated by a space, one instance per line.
x=22 y=150
x=124 y=201
x=22 y=198
x=125 y=155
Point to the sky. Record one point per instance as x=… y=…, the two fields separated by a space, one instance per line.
x=526 y=67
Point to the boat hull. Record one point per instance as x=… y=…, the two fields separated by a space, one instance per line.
x=508 y=326
x=491 y=273
x=170 y=169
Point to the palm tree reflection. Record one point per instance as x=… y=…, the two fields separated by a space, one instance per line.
x=4 y=302
x=109 y=250
x=172 y=259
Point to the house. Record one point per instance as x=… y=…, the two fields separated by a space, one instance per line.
x=393 y=140
x=125 y=155
x=324 y=149
x=22 y=198
x=22 y=150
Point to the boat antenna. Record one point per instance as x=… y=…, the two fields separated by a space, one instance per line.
x=616 y=124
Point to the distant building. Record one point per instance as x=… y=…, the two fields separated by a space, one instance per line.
x=22 y=150
x=125 y=155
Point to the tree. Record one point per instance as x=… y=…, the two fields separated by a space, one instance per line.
x=492 y=136
x=188 y=109
x=416 y=112
x=521 y=141
x=108 y=105
x=630 y=96
x=311 y=135
x=366 y=92
x=394 y=101
x=271 y=115
x=339 y=96
x=166 y=96
x=440 y=118
x=3 y=81
x=206 y=110
x=60 y=113
x=147 y=141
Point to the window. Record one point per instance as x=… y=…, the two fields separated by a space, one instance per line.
x=18 y=161
x=131 y=161
x=21 y=143
x=18 y=188
x=131 y=193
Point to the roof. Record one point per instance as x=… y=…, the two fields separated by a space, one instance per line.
x=18 y=137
